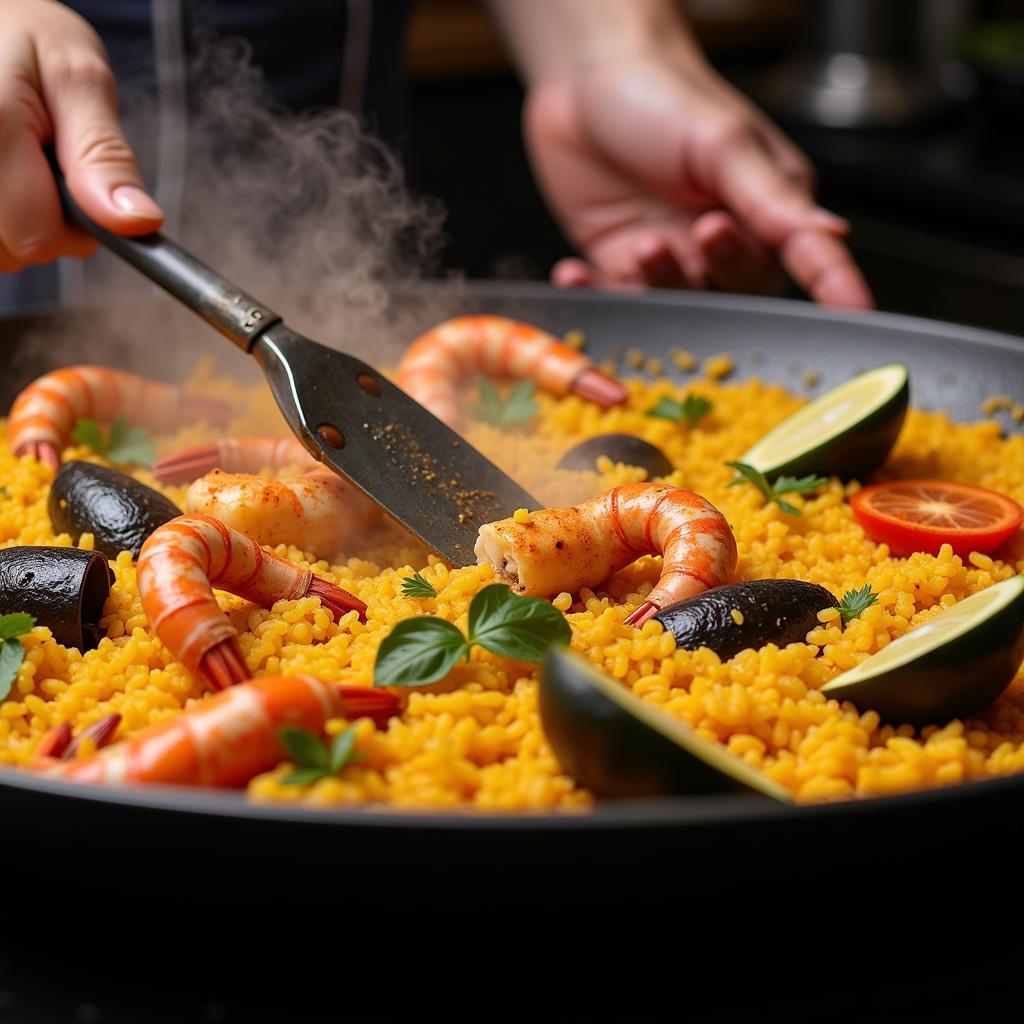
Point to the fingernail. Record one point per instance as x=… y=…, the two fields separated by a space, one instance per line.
x=130 y=199
x=829 y=221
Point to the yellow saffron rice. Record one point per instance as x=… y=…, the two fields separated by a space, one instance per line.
x=475 y=740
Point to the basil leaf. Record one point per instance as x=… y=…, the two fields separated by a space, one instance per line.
x=304 y=748
x=12 y=654
x=342 y=752
x=15 y=624
x=418 y=651
x=89 y=433
x=516 y=627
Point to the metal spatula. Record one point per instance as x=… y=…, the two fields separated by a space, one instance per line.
x=345 y=413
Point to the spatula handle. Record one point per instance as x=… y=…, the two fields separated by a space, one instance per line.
x=220 y=303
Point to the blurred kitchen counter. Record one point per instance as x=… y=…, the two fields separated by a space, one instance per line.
x=458 y=37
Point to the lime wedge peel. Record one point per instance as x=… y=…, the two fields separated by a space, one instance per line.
x=946 y=628
x=848 y=431
x=954 y=666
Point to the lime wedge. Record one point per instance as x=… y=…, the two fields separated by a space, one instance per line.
x=847 y=432
x=952 y=667
x=618 y=745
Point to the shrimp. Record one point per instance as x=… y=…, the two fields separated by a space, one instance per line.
x=234 y=455
x=436 y=366
x=317 y=512
x=227 y=739
x=44 y=414
x=178 y=567
x=59 y=744
x=563 y=549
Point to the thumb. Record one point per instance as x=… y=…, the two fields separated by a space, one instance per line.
x=97 y=162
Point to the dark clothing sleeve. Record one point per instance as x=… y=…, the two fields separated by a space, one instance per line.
x=313 y=54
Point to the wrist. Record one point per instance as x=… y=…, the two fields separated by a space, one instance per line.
x=570 y=38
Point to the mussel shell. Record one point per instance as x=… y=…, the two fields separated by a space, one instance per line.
x=628 y=448
x=772 y=611
x=115 y=508
x=64 y=588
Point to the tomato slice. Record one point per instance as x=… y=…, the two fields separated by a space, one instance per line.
x=922 y=515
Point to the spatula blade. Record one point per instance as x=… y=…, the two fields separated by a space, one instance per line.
x=416 y=468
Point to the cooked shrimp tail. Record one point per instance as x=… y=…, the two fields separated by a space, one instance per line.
x=60 y=745
x=439 y=364
x=233 y=455
x=227 y=739
x=640 y=615
x=45 y=413
x=556 y=550
x=597 y=386
x=181 y=563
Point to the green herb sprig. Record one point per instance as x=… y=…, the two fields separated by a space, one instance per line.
x=783 y=485
x=12 y=654
x=691 y=410
x=856 y=602
x=416 y=586
x=425 y=649
x=314 y=759
x=517 y=407
x=124 y=445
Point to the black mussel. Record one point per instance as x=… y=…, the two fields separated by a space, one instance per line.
x=732 y=618
x=628 y=448
x=115 y=508
x=64 y=588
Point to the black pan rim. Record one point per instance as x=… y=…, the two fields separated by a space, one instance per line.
x=486 y=290
x=694 y=812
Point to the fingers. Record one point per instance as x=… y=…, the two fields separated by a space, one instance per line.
x=98 y=164
x=736 y=261
x=824 y=268
x=636 y=258
x=759 y=193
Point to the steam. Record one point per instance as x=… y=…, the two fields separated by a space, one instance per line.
x=308 y=213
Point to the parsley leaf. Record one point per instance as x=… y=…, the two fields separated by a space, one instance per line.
x=12 y=654
x=416 y=586
x=783 y=485
x=692 y=409
x=125 y=444
x=517 y=407
x=513 y=626
x=89 y=433
x=418 y=651
x=312 y=758
x=425 y=649
x=129 y=444
x=855 y=602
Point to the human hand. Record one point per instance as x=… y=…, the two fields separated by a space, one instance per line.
x=663 y=175
x=56 y=86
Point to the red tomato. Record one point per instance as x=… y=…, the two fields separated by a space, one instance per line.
x=922 y=515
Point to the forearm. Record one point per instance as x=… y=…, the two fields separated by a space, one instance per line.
x=551 y=38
